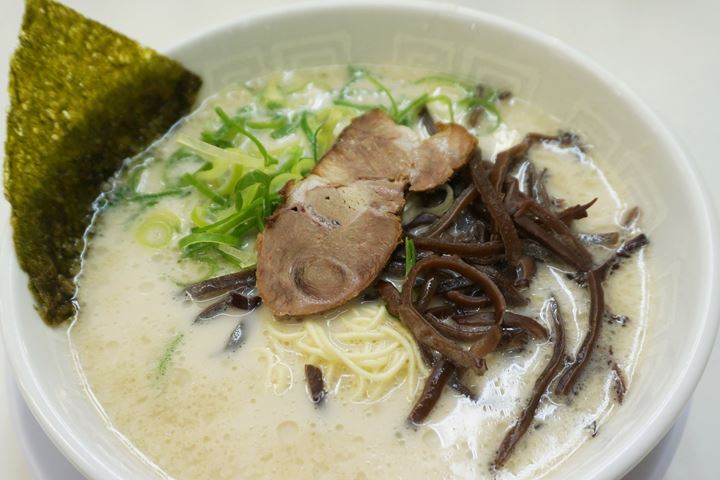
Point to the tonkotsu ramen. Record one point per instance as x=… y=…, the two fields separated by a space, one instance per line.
x=362 y=272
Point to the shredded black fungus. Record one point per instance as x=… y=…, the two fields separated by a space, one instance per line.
x=513 y=339
x=502 y=221
x=474 y=250
x=465 y=300
x=236 y=338
x=428 y=121
x=241 y=298
x=545 y=227
x=390 y=296
x=504 y=162
x=539 y=191
x=421 y=219
x=457 y=384
x=512 y=296
x=425 y=333
x=450 y=284
x=244 y=300
x=441 y=373
x=467 y=196
x=465 y=332
x=212 y=311
x=217 y=286
x=625 y=251
x=427 y=292
x=519 y=428
x=597 y=309
x=630 y=218
x=525 y=323
x=535 y=250
x=619 y=382
x=576 y=212
x=315 y=383
x=525 y=271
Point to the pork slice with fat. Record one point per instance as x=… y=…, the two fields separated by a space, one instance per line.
x=337 y=228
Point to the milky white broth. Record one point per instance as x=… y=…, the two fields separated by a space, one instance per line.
x=215 y=414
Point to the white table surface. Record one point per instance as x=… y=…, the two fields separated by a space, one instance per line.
x=667 y=51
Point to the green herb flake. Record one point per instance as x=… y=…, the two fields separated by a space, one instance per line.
x=167 y=357
x=82 y=99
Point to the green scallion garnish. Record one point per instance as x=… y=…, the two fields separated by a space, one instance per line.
x=410 y=255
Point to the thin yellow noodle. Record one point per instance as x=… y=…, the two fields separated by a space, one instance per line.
x=373 y=354
x=364 y=353
x=310 y=349
x=372 y=363
x=412 y=346
x=395 y=368
x=350 y=336
x=412 y=360
x=320 y=337
x=376 y=320
x=284 y=335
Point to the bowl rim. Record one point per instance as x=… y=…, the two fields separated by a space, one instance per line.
x=639 y=444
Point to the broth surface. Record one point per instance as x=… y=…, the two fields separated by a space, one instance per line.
x=207 y=413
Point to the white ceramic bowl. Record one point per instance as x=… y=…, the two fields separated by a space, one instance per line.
x=456 y=40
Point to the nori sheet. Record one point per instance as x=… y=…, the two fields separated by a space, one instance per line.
x=82 y=99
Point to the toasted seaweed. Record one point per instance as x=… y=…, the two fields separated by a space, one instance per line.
x=82 y=99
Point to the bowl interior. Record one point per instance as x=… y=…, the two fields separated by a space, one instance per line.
x=447 y=39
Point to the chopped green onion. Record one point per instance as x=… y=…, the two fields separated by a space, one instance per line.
x=205 y=237
x=291 y=124
x=408 y=114
x=410 y=255
x=279 y=181
x=413 y=208
x=488 y=102
x=278 y=121
x=358 y=73
x=228 y=186
x=180 y=163
x=231 y=222
x=247 y=195
x=325 y=133
x=303 y=166
x=310 y=134
x=411 y=109
x=156 y=231
x=358 y=106
x=211 y=152
x=445 y=205
x=198 y=215
x=255 y=177
x=242 y=258
x=204 y=189
x=269 y=160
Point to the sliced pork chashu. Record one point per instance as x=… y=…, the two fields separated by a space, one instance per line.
x=338 y=227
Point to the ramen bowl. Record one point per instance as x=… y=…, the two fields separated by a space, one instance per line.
x=443 y=38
